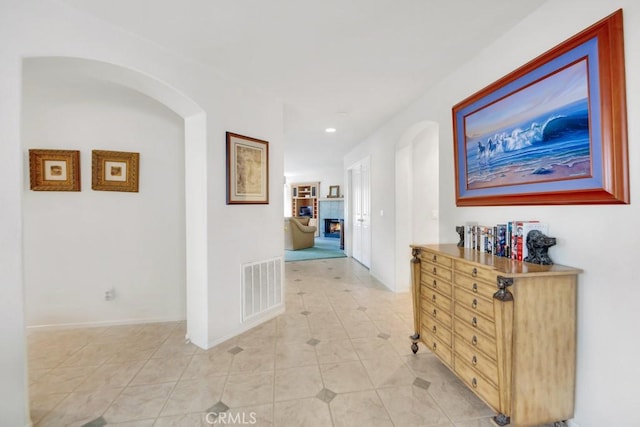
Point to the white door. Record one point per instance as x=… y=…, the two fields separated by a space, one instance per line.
x=360 y=214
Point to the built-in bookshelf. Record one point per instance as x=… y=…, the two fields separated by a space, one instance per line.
x=304 y=201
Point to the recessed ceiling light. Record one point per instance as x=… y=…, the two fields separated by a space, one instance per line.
x=330 y=130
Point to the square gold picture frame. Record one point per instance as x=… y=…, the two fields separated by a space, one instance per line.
x=114 y=170
x=54 y=170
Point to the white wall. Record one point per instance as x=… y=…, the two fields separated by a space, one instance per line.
x=47 y=28
x=598 y=239
x=77 y=246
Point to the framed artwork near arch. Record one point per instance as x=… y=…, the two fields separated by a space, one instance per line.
x=115 y=170
x=247 y=170
x=54 y=170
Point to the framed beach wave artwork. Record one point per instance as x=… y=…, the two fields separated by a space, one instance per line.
x=551 y=132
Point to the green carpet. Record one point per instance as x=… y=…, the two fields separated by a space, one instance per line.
x=322 y=248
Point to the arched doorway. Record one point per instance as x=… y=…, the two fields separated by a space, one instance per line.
x=194 y=167
x=417 y=195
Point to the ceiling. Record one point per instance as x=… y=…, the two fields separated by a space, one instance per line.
x=347 y=64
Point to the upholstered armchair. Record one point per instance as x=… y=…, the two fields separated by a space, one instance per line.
x=298 y=234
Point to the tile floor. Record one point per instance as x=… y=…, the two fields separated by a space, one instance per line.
x=339 y=356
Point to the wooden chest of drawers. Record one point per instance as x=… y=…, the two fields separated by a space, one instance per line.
x=507 y=329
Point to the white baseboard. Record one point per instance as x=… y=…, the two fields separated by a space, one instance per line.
x=104 y=323
x=571 y=423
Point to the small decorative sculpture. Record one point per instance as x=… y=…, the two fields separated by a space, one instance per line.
x=538 y=244
x=460 y=230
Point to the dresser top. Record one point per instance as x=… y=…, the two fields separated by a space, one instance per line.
x=506 y=266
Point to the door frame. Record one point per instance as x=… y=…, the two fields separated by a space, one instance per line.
x=349 y=200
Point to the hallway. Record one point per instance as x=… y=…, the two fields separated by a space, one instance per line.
x=339 y=356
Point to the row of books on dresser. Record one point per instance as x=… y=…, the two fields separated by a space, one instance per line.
x=505 y=240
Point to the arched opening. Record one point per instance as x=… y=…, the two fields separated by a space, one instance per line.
x=416 y=193
x=115 y=83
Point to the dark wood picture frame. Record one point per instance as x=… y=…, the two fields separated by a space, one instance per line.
x=247 y=170
x=604 y=178
x=54 y=170
x=115 y=170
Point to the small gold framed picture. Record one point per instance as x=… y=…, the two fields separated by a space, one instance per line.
x=114 y=171
x=54 y=170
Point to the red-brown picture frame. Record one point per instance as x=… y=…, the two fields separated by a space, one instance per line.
x=607 y=179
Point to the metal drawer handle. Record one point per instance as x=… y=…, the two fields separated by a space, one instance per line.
x=474 y=322
x=433 y=298
x=474 y=272
x=474 y=288
x=474 y=340
x=474 y=360
x=474 y=304
x=435 y=285
x=434 y=270
x=434 y=329
x=435 y=313
x=474 y=382
x=434 y=346
x=435 y=258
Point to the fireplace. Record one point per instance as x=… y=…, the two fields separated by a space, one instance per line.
x=332 y=227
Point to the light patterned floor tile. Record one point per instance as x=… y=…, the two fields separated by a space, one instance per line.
x=139 y=402
x=336 y=351
x=248 y=389
x=294 y=354
x=157 y=371
x=339 y=356
x=412 y=406
x=111 y=376
x=388 y=371
x=254 y=359
x=302 y=412
x=194 y=395
x=296 y=383
x=345 y=377
x=360 y=408
x=80 y=408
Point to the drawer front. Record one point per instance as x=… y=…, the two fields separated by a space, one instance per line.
x=441 y=301
x=436 y=258
x=475 y=339
x=481 y=386
x=439 y=348
x=437 y=271
x=436 y=313
x=474 y=320
x=432 y=282
x=476 y=271
x=475 y=286
x=477 y=360
x=474 y=303
x=434 y=329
